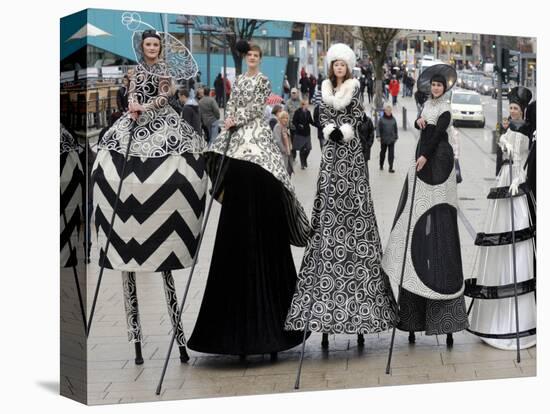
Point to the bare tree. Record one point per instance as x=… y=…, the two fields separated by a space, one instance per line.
x=235 y=29
x=376 y=41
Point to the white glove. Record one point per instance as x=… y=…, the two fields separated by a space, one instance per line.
x=514 y=186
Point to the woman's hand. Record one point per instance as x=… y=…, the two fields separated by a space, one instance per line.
x=421 y=122
x=420 y=162
x=229 y=123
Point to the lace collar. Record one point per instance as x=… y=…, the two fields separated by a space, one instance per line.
x=341 y=98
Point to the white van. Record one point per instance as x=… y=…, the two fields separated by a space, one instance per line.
x=466 y=107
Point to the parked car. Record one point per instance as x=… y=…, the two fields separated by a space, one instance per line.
x=466 y=107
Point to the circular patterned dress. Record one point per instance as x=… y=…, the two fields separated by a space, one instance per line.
x=431 y=298
x=341 y=269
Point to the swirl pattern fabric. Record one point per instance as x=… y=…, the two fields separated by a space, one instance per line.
x=427 y=198
x=159 y=131
x=497 y=317
x=341 y=278
x=253 y=141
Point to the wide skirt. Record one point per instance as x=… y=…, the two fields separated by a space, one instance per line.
x=433 y=267
x=159 y=212
x=493 y=314
x=252 y=274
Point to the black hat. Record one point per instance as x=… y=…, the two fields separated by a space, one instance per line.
x=441 y=72
x=150 y=33
x=242 y=46
x=521 y=96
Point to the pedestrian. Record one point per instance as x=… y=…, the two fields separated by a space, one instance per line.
x=292 y=105
x=286 y=88
x=370 y=86
x=210 y=113
x=394 y=89
x=281 y=136
x=122 y=95
x=154 y=231
x=190 y=110
x=493 y=313
x=365 y=131
x=317 y=124
x=362 y=86
x=431 y=297
x=252 y=273
x=341 y=287
x=386 y=132
x=304 y=86
x=219 y=90
x=312 y=84
x=302 y=120
x=275 y=115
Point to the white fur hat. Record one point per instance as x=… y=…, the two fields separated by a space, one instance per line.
x=341 y=51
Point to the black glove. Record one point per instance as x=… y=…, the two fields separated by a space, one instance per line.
x=336 y=135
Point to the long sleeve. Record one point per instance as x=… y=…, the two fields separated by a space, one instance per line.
x=395 y=129
x=254 y=109
x=215 y=109
x=132 y=98
x=163 y=94
x=429 y=143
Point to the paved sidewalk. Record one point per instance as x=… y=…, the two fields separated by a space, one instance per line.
x=113 y=377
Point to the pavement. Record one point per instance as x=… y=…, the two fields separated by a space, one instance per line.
x=112 y=376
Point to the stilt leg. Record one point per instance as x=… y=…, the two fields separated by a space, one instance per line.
x=132 y=312
x=412 y=337
x=324 y=341
x=173 y=312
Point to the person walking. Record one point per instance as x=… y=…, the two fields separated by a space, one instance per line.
x=219 y=90
x=281 y=136
x=370 y=86
x=122 y=95
x=210 y=113
x=386 y=132
x=286 y=89
x=394 y=89
x=292 y=105
x=302 y=120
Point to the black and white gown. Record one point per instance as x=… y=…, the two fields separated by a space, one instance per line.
x=252 y=273
x=341 y=269
x=432 y=298
x=493 y=314
x=161 y=205
x=72 y=208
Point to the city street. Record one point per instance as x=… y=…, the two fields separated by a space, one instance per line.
x=114 y=378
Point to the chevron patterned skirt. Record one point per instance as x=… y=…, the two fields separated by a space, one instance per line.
x=159 y=213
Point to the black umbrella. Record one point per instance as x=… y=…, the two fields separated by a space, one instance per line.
x=447 y=71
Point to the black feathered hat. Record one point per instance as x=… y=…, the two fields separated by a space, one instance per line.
x=520 y=96
x=242 y=46
x=441 y=72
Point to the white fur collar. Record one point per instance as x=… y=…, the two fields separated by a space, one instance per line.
x=341 y=98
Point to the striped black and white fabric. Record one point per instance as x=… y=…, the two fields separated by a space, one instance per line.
x=71 y=183
x=493 y=314
x=159 y=214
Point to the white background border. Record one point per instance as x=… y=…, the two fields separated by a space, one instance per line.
x=29 y=350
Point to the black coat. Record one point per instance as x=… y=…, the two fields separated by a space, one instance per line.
x=122 y=99
x=365 y=129
x=191 y=114
x=317 y=123
x=387 y=130
x=301 y=121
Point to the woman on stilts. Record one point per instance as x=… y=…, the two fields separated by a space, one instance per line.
x=493 y=313
x=252 y=273
x=427 y=278
x=341 y=281
x=161 y=204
